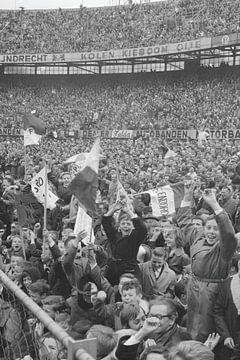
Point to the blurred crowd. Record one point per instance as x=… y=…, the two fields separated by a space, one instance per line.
x=178 y=100
x=89 y=29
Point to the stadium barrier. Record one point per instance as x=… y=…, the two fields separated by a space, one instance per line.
x=24 y=347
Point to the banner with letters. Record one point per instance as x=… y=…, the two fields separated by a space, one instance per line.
x=115 y=54
x=178 y=134
x=132 y=134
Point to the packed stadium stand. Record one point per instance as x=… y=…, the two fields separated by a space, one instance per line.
x=174 y=100
x=86 y=29
x=42 y=250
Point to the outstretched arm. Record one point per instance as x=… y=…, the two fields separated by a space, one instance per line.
x=184 y=215
x=228 y=242
x=107 y=221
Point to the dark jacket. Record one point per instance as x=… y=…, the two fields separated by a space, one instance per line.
x=125 y=247
x=225 y=312
x=166 y=341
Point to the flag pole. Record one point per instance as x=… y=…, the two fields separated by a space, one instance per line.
x=91 y=230
x=45 y=196
x=25 y=161
x=23 y=245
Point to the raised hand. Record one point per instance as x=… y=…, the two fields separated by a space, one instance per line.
x=150 y=325
x=188 y=190
x=212 y=340
x=229 y=342
x=101 y=295
x=209 y=195
x=81 y=235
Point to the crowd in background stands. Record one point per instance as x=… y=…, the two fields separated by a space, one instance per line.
x=84 y=29
x=133 y=289
x=148 y=284
x=209 y=99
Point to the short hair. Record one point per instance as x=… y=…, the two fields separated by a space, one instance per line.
x=134 y=284
x=159 y=251
x=197 y=217
x=128 y=275
x=191 y=350
x=123 y=216
x=178 y=236
x=210 y=217
x=169 y=303
x=40 y=286
x=106 y=339
x=68 y=239
x=157 y=349
x=129 y=312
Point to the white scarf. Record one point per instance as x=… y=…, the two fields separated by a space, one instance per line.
x=235 y=290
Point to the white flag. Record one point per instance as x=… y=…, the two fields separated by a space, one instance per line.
x=38 y=189
x=84 y=222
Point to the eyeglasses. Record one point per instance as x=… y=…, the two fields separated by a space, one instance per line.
x=158 y=316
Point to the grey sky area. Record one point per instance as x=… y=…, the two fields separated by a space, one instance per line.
x=55 y=4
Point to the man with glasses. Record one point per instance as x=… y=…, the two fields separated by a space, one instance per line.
x=159 y=330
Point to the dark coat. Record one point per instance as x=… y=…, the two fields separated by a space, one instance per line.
x=125 y=247
x=225 y=312
x=209 y=264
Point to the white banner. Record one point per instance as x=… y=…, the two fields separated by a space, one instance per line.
x=117 y=54
x=38 y=189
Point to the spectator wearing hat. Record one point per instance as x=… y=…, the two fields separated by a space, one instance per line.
x=156 y=275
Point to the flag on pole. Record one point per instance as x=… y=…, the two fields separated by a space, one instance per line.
x=166 y=199
x=38 y=190
x=84 y=222
x=34 y=128
x=85 y=184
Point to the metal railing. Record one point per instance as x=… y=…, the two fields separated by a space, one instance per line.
x=74 y=348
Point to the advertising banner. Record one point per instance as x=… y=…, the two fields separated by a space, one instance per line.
x=141 y=52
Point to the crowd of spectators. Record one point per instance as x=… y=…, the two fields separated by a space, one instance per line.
x=177 y=100
x=138 y=267
x=147 y=286
x=86 y=29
